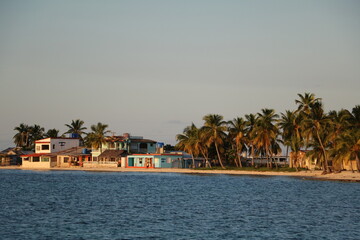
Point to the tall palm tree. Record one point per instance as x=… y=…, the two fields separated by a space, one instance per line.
x=215 y=127
x=21 y=138
x=187 y=141
x=76 y=127
x=290 y=124
x=266 y=131
x=316 y=126
x=200 y=144
x=250 y=134
x=237 y=136
x=97 y=137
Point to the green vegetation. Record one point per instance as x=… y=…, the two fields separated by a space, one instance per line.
x=332 y=137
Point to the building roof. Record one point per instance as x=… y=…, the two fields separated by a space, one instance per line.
x=15 y=151
x=112 y=153
x=48 y=139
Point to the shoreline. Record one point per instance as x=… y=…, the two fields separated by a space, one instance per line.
x=346 y=176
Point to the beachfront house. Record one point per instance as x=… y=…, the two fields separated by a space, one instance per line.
x=11 y=156
x=157 y=160
x=45 y=152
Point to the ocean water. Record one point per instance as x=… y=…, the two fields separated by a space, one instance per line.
x=104 y=205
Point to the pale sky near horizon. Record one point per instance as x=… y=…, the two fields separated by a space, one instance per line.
x=151 y=68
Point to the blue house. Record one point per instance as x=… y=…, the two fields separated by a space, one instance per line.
x=157 y=160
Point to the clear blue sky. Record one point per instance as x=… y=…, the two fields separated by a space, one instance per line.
x=152 y=67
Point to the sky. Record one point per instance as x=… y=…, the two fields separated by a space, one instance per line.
x=151 y=68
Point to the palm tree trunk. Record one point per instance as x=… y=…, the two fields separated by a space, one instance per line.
x=273 y=159
x=239 y=159
x=252 y=155
x=207 y=163
x=287 y=155
x=193 y=159
x=217 y=151
x=326 y=165
x=236 y=157
x=269 y=164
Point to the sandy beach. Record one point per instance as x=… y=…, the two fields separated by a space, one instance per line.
x=315 y=175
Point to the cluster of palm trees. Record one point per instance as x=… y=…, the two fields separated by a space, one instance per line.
x=27 y=135
x=329 y=138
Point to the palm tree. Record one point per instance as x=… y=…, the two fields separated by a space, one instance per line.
x=266 y=131
x=188 y=141
x=340 y=122
x=315 y=125
x=214 y=128
x=21 y=138
x=237 y=135
x=290 y=123
x=76 y=127
x=97 y=137
x=250 y=134
x=348 y=146
x=52 y=133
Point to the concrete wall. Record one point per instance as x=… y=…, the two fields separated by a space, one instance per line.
x=100 y=165
x=27 y=164
x=44 y=162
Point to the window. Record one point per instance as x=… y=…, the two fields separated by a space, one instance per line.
x=45 y=147
x=112 y=159
x=36 y=159
x=66 y=159
x=140 y=160
x=95 y=158
x=53 y=146
x=45 y=159
x=37 y=148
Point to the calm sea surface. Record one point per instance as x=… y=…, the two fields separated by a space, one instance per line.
x=97 y=205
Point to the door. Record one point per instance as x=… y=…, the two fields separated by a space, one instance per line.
x=131 y=162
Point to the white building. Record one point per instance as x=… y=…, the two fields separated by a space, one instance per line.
x=52 y=145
